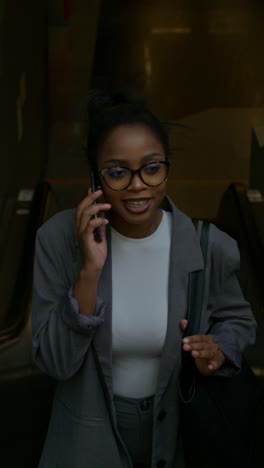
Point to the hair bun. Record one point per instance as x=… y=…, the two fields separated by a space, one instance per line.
x=128 y=95
x=99 y=101
x=95 y=101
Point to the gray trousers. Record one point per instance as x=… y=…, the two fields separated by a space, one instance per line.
x=135 y=424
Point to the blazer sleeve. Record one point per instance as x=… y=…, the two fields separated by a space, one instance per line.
x=232 y=323
x=61 y=335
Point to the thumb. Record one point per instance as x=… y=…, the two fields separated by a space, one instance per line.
x=184 y=324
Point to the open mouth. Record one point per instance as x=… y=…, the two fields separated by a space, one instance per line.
x=139 y=205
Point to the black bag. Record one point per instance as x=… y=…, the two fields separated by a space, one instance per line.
x=217 y=413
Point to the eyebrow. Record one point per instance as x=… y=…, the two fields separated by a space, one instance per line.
x=125 y=161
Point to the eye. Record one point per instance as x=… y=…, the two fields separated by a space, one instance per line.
x=117 y=172
x=152 y=168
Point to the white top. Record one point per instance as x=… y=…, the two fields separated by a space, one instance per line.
x=140 y=273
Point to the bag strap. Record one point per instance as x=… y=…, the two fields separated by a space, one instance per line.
x=195 y=302
x=197 y=283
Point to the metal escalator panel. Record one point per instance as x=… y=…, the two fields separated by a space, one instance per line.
x=258 y=213
x=25 y=392
x=20 y=214
x=14 y=220
x=242 y=217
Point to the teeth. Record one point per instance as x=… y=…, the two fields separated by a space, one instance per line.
x=137 y=203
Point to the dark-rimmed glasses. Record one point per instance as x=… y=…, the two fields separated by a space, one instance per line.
x=151 y=174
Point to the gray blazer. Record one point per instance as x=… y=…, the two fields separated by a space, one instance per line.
x=77 y=350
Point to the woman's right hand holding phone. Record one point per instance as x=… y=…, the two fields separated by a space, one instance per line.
x=94 y=252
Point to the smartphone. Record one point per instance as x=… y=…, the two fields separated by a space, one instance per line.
x=97 y=233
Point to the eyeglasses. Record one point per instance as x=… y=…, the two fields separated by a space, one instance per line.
x=152 y=174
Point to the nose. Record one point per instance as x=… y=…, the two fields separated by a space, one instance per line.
x=136 y=183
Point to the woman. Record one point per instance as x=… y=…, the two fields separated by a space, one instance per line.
x=109 y=312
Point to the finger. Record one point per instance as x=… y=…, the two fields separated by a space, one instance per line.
x=218 y=361
x=198 y=338
x=204 y=367
x=87 y=201
x=200 y=346
x=92 y=225
x=89 y=212
x=96 y=209
x=205 y=354
x=184 y=324
x=96 y=222
x=212 y=366
x=103 y=230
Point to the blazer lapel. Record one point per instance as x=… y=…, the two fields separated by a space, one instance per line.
x=185 y=257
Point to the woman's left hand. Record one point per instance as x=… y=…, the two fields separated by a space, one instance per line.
x=207 y=355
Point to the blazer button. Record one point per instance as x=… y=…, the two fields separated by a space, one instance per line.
x=162 y=414
x=161 y=463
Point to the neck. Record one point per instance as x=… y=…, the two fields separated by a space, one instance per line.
x=136 y=231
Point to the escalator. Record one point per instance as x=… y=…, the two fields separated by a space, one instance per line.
x=241 y=215
x=25 y=393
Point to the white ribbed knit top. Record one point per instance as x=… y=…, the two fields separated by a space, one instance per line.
x=140 y=273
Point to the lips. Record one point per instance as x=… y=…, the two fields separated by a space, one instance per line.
x=137 y=205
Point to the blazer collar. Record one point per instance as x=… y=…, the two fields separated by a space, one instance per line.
x=185 y=245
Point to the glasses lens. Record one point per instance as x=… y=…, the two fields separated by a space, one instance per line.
x=154 y=173
x=117 y=178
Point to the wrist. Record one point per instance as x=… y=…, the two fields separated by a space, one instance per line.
x=85 y=291
x=90 y=274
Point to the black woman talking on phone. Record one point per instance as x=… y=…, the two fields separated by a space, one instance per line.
x=109 y=312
